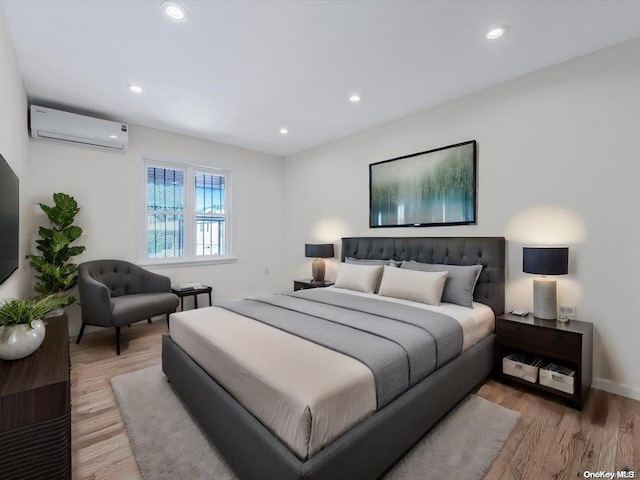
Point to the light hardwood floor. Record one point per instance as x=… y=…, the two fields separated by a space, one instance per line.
x=551 y=441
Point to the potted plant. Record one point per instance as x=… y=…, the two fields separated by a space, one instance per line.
x=21 y=327
x=55 y=272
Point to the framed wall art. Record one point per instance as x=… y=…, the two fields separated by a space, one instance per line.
x=432 y=188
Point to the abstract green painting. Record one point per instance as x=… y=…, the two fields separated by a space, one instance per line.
x=432 y=188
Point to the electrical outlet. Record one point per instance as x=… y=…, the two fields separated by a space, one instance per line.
x=570 y=313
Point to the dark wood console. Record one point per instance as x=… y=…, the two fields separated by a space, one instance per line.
x=35 y=410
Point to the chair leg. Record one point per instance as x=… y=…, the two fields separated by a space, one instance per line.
x=80 y=334
x=168 y=320
x=117 y=340
x=148 y=320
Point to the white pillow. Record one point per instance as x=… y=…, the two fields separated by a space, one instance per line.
x=423 y=287
x=361 y=278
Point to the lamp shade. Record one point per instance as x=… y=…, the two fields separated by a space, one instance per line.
x=545 y=260
x=318 y=250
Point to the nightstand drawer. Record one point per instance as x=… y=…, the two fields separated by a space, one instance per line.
x=542 y=341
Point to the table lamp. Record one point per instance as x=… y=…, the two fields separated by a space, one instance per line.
x=319 y=251
x=545 y=261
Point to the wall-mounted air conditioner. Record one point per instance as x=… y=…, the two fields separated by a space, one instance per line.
x=50 y=124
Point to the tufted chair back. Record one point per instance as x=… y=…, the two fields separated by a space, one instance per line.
x=120 y=277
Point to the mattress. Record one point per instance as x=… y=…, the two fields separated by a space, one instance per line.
x=306 y=394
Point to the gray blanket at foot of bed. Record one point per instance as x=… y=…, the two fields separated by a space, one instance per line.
x=400 y=344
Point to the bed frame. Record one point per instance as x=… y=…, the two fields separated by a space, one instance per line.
x=372 y=447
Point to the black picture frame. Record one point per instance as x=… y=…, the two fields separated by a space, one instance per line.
x=436 y=188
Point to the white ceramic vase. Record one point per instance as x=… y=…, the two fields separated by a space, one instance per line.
x=19 y=341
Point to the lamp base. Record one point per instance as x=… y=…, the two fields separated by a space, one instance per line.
x=317 y=269
x=545 y=304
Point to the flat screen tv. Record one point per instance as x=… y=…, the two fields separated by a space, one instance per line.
x=9 y=220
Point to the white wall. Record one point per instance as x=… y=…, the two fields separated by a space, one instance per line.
x=14 y=145
x=103 y=183
x=557 y=163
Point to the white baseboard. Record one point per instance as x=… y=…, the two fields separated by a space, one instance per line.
x=621 y=389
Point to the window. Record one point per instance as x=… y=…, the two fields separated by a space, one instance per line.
x=186 y=213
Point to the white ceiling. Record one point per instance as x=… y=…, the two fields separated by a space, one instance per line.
x=237 y=72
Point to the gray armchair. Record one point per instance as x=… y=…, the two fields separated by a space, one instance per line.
x=114 y=293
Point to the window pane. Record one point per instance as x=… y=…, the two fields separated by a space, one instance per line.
x=209 y=193
x=165 y=189
x=165 y=236
x=210 y=235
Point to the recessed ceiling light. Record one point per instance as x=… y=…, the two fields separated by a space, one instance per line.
x=355 y=98
x=136 y=88
x=113 y=136
x=284 y=131
x=175 y=11
x=497 y=32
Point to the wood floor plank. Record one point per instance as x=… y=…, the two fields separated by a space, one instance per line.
x=527 y=449
x=568 y=427
x=591 y=429
x=609 y=447
x=556 y=462
x=636 y=442
x=574 y=451
x=513 y=399
x=551 y=440
x=624 y=450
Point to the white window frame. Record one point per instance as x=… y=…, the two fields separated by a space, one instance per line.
x=190 y=169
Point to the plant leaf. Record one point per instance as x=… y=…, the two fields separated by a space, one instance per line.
x=73 y=251
x=65 y=210
x=26 y=310
x=72 y=233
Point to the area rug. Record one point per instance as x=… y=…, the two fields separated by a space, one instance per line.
x=168 y=444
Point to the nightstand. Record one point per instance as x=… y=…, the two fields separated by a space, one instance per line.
x=191 y=292
x=309 y=283
x=569 y=344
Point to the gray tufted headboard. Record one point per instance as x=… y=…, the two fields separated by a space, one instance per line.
x=486 y=251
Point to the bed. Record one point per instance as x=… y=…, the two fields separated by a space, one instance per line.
x=376 y=437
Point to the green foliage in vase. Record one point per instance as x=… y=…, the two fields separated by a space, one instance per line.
x=55 y=272
x=26 y=310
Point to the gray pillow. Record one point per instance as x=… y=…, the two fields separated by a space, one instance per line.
x=460 y=284
x=391 y=263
